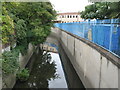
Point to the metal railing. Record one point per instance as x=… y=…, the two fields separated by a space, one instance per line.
x=105 y=33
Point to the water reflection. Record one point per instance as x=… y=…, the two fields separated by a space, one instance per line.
x=48 y=71
x=61 y=81
x=43 y=71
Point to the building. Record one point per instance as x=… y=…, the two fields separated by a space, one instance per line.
x=68 y=17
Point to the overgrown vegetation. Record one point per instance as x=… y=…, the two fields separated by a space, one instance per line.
x=102 y=10
x=23 y=75
x=24 y=23
x=7 y=27
x=10 y=61
x=27 y=22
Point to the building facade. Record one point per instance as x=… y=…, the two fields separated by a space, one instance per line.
x=68 y=17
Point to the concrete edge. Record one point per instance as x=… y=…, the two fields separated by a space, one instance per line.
x=111 y=57
x=79 y=73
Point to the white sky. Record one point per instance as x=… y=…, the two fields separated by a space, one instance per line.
x=69 y=5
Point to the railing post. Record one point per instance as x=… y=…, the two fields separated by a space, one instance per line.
x=94 y=25
x=111 y=30
x=83 y=24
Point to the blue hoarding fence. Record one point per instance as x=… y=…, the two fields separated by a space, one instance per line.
x=105 y=33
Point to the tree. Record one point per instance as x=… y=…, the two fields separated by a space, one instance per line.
x=7 y=27
x=32 y=21
x=24 y=23
x=102 y=10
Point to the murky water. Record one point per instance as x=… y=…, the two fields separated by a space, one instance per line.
x=46 y=71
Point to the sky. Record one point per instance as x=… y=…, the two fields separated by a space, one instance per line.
x=69 y=5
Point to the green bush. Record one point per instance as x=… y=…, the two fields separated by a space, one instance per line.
x=9 y=62
x=23 y=75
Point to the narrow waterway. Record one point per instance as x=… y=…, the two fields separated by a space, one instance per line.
x=47 y=71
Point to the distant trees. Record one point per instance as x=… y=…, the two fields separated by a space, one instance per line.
x=102 y=10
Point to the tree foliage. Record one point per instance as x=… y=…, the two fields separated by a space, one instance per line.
x=32 y=21
x=10 y=61
x=24 y=23
x=102 y=10
x=7 y=27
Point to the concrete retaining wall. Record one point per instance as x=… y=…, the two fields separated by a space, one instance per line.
x=23 y=60
x=10 y=80
x=96 y=67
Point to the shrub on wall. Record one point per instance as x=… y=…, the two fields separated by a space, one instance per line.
x=23 y=75
x=10 y=61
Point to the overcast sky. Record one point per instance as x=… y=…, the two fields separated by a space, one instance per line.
x=69 y=5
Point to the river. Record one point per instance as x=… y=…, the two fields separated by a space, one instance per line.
x=48 y=71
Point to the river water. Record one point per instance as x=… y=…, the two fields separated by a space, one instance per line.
x=48 y=71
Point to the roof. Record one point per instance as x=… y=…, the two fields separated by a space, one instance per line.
x=70 y=13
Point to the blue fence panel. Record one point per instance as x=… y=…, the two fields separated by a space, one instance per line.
x=101 y=35
x=86 y=28
x=77 y=29
x=115 y=47
x=105 y=33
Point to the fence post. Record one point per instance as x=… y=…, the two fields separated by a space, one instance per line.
x=111 y=30
x=83 y=24
x=94 y=25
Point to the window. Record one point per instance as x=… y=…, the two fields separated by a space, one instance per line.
x=70 y=16
x=76 y=16
x=73 y=16
x=62 y=16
